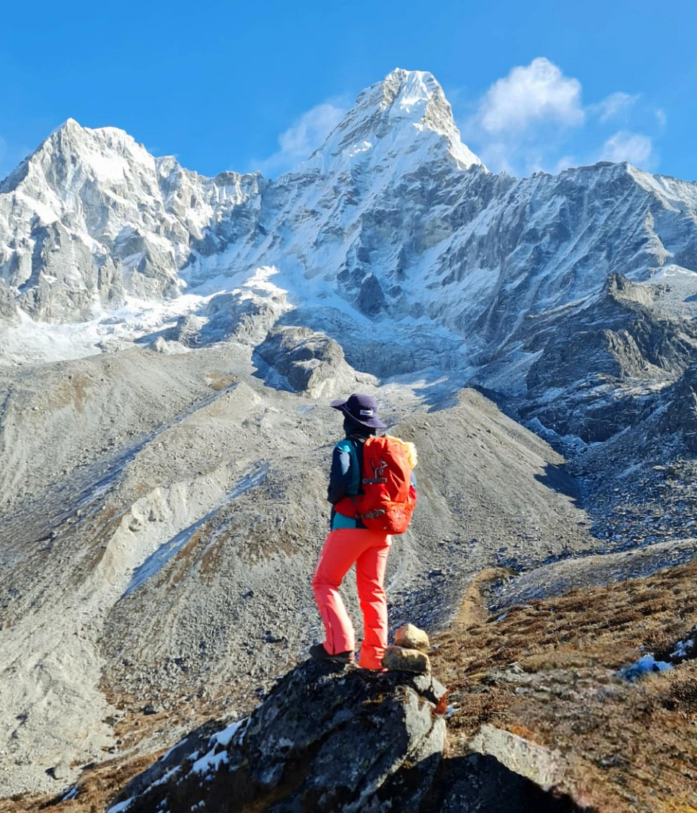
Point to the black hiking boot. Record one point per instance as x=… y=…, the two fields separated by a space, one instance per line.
x=319 y=653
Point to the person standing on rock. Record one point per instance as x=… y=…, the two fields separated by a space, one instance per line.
x=373 y=494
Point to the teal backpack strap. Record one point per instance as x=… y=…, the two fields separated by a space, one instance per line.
x=348 y=445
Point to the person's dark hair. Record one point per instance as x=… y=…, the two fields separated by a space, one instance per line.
x=352 y=427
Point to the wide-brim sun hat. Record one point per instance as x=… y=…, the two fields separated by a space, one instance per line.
x=362 y=409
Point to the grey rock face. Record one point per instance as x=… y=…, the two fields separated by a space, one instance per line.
x=310 y=362
x=54 y=292
x=546 y=768
x=8 y=309
x=326 y=738
x=625 y=335
x=594 y=365
x=680 y=414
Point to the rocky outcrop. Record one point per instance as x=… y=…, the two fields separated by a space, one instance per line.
x=624 y=334
x=326 y=738
x=308 y=361
x=596 y=365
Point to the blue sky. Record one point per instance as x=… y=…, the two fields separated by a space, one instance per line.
x=245 y=85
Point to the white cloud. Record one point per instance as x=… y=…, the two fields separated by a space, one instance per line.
x=635 y=148
x=533 y=119
x=615 y=105
x=302 y=138
x=522 y=118
x=528 y=95
x=661 y=117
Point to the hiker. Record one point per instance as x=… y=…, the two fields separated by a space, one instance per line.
x=373 y=493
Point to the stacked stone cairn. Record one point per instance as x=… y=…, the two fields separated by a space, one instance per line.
x=410 y=651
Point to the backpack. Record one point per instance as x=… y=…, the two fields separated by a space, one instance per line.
x=388 y=498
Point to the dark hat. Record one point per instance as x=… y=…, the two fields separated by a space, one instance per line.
x=362 y=409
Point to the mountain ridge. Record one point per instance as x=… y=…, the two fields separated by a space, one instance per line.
x=392 y=227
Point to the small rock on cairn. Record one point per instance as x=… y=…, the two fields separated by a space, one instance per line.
x=409 y=652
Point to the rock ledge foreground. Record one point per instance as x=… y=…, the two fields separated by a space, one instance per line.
x=327 y=738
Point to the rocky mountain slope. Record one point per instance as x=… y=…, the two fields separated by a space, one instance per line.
x=162 y=519
x=392 y=229
x=542 y=689
x=553 y=706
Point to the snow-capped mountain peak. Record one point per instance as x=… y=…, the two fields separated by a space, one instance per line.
x=392 y=220
x=73 y=155
x=407 y=114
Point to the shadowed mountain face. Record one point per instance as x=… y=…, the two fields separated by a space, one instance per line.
x=168 y=344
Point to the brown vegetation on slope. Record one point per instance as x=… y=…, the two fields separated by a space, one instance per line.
x=547 y=672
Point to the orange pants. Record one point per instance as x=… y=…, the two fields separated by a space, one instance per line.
x=369 y=550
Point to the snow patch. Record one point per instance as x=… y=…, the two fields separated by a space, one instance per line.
x=225 y=736
x=685 y=649
x=646 y=665
x=70 y=794
x=210 y=762
x=121 y=807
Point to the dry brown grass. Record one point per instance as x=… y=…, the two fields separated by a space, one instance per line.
x=549 y=669
x=97 y=787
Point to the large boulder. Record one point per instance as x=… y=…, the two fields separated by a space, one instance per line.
x=478 y=783
x=327 y=738
x=307 y=361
